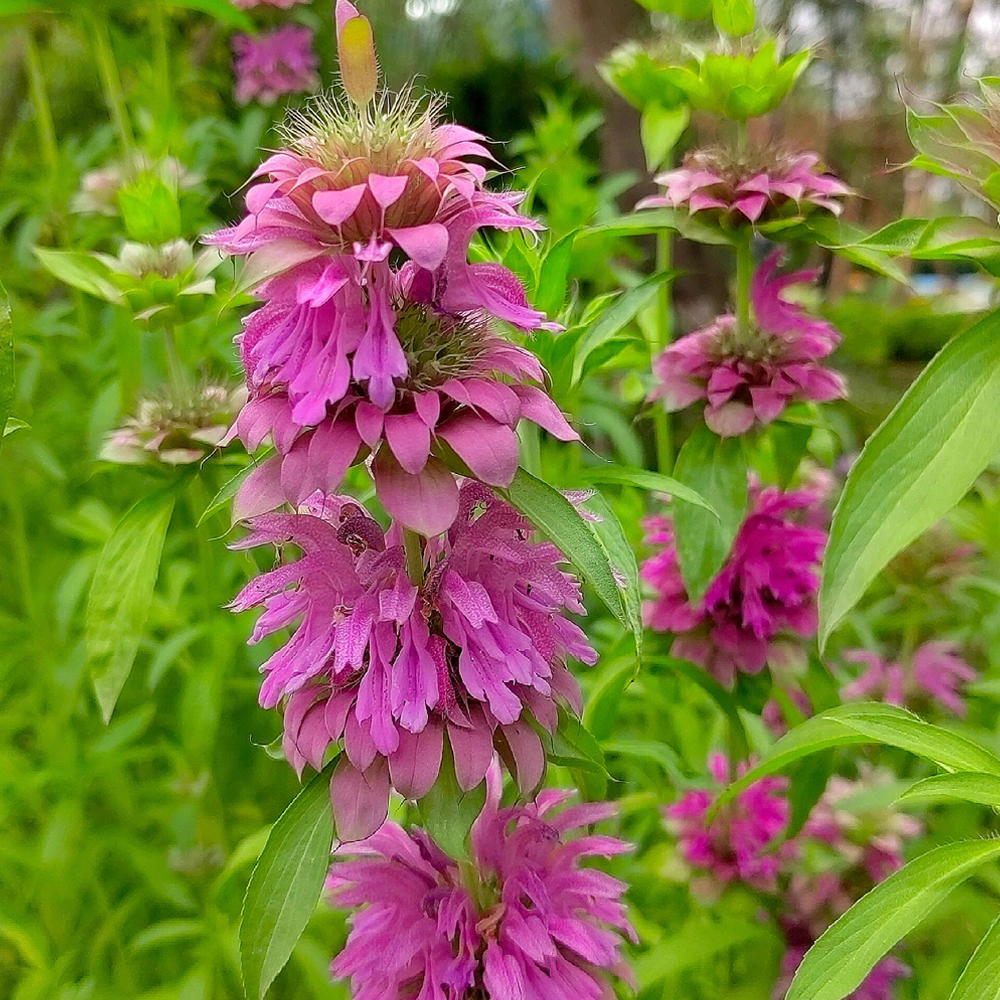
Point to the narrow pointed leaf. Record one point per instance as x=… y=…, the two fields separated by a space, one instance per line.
x=286 y=884
x=980 y=980
x=965 y=786
x=844 y=955
x=915 y=467
x=646 y=480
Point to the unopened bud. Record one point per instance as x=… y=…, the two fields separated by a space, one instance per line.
x=356 y=48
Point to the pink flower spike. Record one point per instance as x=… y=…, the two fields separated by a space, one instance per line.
x=270 y=65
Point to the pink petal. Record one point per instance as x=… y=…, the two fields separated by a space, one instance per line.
x=729 y=420
x=360 y=799
x=369 y=420
x=387 y=190
x=426 y=503
x=424 y=245
x=410 y=440
x=261 y=491
x=538 y=407
x=336 y=207
x=529 y=757
x=332 y=451
x=415 y=765
x=473 y=751
x=488 y=448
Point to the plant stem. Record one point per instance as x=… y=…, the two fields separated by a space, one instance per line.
x=40 y=100
x=414 y=557
x=663 y=335
x=531 y=447
x=161 y=54
x=744 y=276
x=178 y=374
x=112 y=84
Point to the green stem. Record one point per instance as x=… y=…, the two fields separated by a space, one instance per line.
x=178 y=374
x=744 y=276
x=161 y=53
x=663 y=335
x=414 y=557
x=531 y=447
x=112 y=84
x=43 y=109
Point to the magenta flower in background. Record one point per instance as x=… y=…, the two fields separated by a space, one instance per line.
x=391 y=668
x=523 y=919
x=764 y=596
x=935 y=672
x=755 y=188
x=274 y=63
x=742 y=843
x=750 y=378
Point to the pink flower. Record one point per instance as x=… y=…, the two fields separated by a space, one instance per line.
x=766 y=590
x=389 y=667
x=868 y=838
x=766 y=185
x=274 y=63
x=453 y=402
x=743 y=842
x=523 y=919
x=935 y=672
x=752 y=378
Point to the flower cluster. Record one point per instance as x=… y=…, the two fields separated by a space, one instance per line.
x=744 y=842
x=935 y=672
x=390 y=667
x=521 y=919
x=754 y=187
x=748 y=377
x=271 y=64
x=377 y=336
x=806 y=882
x=764 y=594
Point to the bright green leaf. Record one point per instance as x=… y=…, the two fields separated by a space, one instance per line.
x=554 y=275
x=447 y=812
x=662 y=129
x=715 y=468
x=918 y=464
x=80 y=270
x=646 y=480
x=286 y=884
x=561 y=522
x=121 y=593
x=980 y=980
x=965 y=786
x=734 y=17
x=229 y=489
x=848 y=950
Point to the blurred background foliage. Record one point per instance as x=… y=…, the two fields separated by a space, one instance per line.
x=124 y=849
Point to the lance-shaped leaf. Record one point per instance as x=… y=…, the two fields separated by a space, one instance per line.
x=965 y=786
x=86 y=271
x=286 y=884
x=915 y=467
x=980 y=980
x=121 y=593
x=849 y=949
x=646 y=480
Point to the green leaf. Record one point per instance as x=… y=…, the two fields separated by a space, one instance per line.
x=734 y=17
x=231 y=488
x=694 y=944
x=848 y=950
x=150 y=210
x=653 y=220
x=659 y=753
x=918 y=464
x=13 y=424
x=646 y=480
x=80 y=270
x=618 y=315
x=286 y=884
x=662 y=129
x=447 y=812
x=715 y=468
x=966 y=786
x=621 y=556
x=6 y=367
x=121 y=593
x=554 y=275
x=221 y=10
x=562 y=524
x=980 y=980
x=852 y=725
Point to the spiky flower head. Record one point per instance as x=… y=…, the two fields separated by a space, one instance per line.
x=521 y=918
x=271 y=64
x=176 y=426
x=392 y=668
x=750 y=376
x=758 y=185
x=763 y=597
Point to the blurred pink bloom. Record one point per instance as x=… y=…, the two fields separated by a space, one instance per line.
x=274 y=63
x=523 y=919
x=742 y=843
x=743 y=190
x=773 y=716
x=935 y=671
x=871 y=838
x=766 y=589
x=390 y=668
x=752 y=379
x=453 y=401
